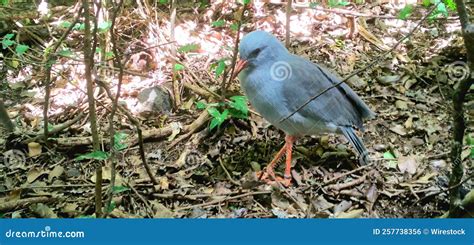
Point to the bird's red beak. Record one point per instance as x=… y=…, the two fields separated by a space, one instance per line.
x=241 y=64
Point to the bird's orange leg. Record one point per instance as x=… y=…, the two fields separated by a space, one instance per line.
x=272 y=164
x=289 y=149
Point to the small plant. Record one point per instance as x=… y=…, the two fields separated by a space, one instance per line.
x=221 y=111
x=442 y=7
x=7 y=41
x=119 y=144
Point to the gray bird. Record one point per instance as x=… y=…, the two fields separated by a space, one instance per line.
x=277 y=83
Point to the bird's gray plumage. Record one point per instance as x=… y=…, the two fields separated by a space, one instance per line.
x=275 y=97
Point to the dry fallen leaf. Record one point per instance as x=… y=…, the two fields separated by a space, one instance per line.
x=407 y=164
x=34 y=149
x=33 y=174
x=321 y=204
x=356 y=213
x=398 y=129
x=161 y=211
x=279 y=200
x=55 y=173
x=43 y=210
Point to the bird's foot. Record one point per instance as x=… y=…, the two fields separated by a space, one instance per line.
x=270 y=178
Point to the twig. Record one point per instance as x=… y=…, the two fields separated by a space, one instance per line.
x=229 y=177
x=346 y=185
x=88 y=62
x=49 y=186
x=223 y=200
x=190 y=129
x=288 y=15
x=176 y=90
x=117 y=63
x=235 y=52
x=49 y=64
x=23 y=202
x=364 y=68
x=327 y=182
x=57 y=128
x=149 y=209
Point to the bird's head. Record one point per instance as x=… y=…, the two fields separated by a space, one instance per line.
x=257 y=48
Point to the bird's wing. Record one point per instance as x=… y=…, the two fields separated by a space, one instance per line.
x=338 y=105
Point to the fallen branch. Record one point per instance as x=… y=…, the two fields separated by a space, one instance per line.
x=213 y=202
x=17 y=204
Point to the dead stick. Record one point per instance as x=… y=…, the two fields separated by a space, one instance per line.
x=223 y=200
x=23 y=202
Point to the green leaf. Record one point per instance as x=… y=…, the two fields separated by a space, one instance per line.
x=201 y=105
x=214 y=123
x=97 y=155
x=451 y=4
x=218 y=118
x=104 y=26
x=164 y=1
x=335 y=3
x=234 y=26
x=5 y=3
x=239 y=103
x=313 y=4
x=405 y=12
x=119 y=139
x=119 y=189
x=98 y=50
x=111 y=207
x=6 y=42
x=245 y=2
x=65 y=24
x=389 y=156
x=224 y=116
x=109 y=55
x=178 y=67
x=21 y=49
x=237 y=114
x=9 y=36
x=470 y=142
x=218 y=23
x=203 y=4
x=79 y=26
x=188 y=48
x=213 y=112
x=65 y=52
x=220 y=68
x=343 y=3
x=441 y=9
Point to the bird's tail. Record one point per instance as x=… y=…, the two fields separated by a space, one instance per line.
x=357 y=143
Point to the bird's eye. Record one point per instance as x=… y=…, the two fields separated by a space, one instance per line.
x=255 y=52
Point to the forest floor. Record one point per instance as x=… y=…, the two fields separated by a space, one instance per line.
x=207 y=173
